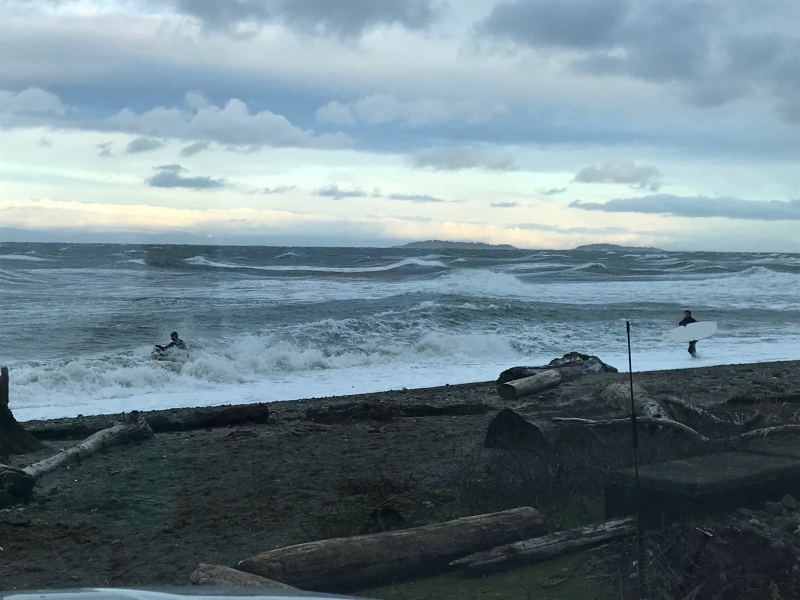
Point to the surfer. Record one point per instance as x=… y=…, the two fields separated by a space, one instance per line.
x=687 y=318
x=176 y=342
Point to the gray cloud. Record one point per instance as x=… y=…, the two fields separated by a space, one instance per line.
x=335 y=192
x=553 y=191
x=703 y=46
x=568 y=23
x=700 y=206
x=343 y=18
x=278 y=189
x=504 y=204
x=419 y=198
x=170 y=176
x=194 y=148
x=621 y=171
x=104 y=150
x=45 y=142
x=455 y=158
x=143 y=144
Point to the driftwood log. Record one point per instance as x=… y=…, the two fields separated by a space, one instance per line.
x=14 y=439
x=518 y=388
x=135 y=429
x=548 y=546
x=15 y=486
x=220 y=575
x=349 y=563
x=161 y=421
x=572 y=365
x=618 y=395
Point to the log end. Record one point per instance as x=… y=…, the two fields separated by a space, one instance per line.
x=216 y=575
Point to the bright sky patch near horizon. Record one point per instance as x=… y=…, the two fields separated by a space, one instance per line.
x=539 y=123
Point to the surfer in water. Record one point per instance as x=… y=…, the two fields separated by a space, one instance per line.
x=176 y=342
x=687 y=318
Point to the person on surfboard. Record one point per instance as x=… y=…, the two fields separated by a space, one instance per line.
x=176 y=342
x=687 y=318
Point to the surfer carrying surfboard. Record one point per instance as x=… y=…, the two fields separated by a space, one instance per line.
x=687 y=318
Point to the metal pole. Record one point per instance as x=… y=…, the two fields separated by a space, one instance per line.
x=640 y=562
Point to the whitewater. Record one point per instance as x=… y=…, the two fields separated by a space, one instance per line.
x=266 y=324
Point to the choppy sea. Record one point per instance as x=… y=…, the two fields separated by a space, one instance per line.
x=78 y=322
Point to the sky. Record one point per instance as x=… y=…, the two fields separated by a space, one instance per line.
x=537 y=123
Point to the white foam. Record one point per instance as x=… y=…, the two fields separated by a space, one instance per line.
x=202 y=261
x=24 y=257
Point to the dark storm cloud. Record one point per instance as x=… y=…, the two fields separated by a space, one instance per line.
x=700 y=45
x=143 y=144
x=171 y=176
x=335 y=192
x=568 y=23
x=700 y=206
x=622 y=171
x=345 y=18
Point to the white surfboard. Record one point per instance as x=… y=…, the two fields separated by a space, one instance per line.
x=699 y=330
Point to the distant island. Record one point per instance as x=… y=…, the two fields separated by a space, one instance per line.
x=617 y=248
x=445 y=245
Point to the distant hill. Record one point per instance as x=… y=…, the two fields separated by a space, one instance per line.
x=444 y=245
x=617 y=248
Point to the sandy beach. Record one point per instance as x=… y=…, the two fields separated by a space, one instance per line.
x=147 y=513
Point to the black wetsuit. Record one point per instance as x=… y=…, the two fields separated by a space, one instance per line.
x=683 y=323
x=179 y=343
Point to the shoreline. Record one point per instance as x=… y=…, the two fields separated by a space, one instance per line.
x=311 y=401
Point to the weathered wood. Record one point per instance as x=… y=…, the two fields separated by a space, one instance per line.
x=206 y=574
x=384 y=411
x=161 y=421
x=511 y=431
x=618 y=395
x=571 y=366
x=519 y=388
x=14 y=439
x=136 y=429
x=350 y=563
x=677 y=425
x=548 y=546
x=15 y=486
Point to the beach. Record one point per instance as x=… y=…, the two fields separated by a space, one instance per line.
x=148 y=512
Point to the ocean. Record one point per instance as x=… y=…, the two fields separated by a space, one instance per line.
x=78 y=321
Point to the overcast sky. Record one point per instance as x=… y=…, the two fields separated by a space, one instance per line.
x=539 y=123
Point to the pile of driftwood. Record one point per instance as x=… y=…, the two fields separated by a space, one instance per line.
x=518 y=382
x=474 y=544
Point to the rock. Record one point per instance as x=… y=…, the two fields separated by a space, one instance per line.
x=16 y=486
x=774 y=508
x=789 y=502
x=510 y=431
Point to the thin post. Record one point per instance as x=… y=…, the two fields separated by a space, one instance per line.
x=4 y=386
x=640 y=562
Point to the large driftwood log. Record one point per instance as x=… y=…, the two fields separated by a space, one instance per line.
x=14 y=439
x=15 y=486
x=518 y=388
x=571 y=365
x=161 y=421
x=548 y=546
x=206 y=574
x=618 y=395
x=350 y=563
x=677 y=425
x=136 y=429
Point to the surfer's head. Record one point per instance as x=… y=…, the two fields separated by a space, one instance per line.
x=174 y=336
x=687 y=313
